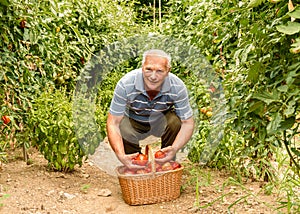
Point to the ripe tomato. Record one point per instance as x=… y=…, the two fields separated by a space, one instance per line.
x=166 y=166
x=157 y=167
x=159 y=154
x=140 y=160
x=175 y=165
x=142 y=171
x=129 y=172
x=203 y=110
x=5 y=119
x=148 y=168
x=141 y=157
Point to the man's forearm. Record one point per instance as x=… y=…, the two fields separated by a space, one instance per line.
x=184 y=135
x=114 y=135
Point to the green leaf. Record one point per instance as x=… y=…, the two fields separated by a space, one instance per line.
x=273 y=126
x=295 y=46
x=63 y=149
x=255 y=3
x=256 y=107
x=254 y=72
x=283 y=88
x=262 y=133
x=295 y=151
x=4 y=2
x=296 y=13
x=287 y=124
x=289 y=29
x=267 y=97
x=290 y=108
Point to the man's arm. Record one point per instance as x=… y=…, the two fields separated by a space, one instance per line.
x=116 y=142
x=184 y=135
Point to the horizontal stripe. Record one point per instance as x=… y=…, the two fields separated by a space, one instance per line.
x=131 y=99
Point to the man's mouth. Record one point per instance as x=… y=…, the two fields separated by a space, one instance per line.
x=152 y=82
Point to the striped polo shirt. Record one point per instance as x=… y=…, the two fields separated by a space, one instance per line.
x=131 y=99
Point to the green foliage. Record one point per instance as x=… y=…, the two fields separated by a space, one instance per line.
x=260 y=74
x=48 y=43
x=51 y=130
x=253 y=47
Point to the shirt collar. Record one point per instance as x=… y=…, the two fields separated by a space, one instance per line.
x=139 y=82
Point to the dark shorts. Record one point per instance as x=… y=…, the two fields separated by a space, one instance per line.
x=132 y=131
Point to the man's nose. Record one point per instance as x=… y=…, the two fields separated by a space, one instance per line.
x=153 y=75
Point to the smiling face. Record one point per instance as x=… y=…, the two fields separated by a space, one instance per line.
x=155 y=70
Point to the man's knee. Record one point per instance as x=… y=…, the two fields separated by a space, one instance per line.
x=174 y=123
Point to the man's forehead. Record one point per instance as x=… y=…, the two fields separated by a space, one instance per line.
x=156 y=55
x=155 y=58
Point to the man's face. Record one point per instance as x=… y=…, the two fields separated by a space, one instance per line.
x=155 y=70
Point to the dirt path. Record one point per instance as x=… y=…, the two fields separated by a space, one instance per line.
x=34 y=189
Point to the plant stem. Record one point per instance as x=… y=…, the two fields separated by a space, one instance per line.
x=288 y=150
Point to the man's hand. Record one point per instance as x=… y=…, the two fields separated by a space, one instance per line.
x=170 y=154
x=183 y=136
x=127 y=161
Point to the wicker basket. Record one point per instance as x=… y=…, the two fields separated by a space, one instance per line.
x=150 y=188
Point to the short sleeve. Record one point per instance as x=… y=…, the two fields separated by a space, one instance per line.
x=118 y=103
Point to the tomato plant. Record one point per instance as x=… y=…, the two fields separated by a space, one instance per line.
x=250 y=49
x=51 y=130
x=49 y=43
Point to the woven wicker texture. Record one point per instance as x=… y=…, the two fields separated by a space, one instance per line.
x=150 y=188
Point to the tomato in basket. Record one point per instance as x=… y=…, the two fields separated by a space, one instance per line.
x=148 y=168
x=166 y=166
x=140 y=160
x=158 y=167
x=175 y=165
x=129 y=172
x=142 y=171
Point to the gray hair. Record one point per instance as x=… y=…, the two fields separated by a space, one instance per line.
x=159 y=53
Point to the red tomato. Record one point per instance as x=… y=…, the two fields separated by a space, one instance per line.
x=140 y=159
x=129 y=172
x=158 y=167
x=148 y=168
x=142 y=171
x=159 y=154
x=166 y=166
x=5 y=119
x=175 y=165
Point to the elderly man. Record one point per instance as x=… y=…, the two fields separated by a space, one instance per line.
x=149 y=101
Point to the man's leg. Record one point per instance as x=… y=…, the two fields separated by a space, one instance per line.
x=132 y=132
x=172 y=129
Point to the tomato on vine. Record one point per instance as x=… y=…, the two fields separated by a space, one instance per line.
x=6 y=119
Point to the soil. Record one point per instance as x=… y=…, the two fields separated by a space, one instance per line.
x=34 y=189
